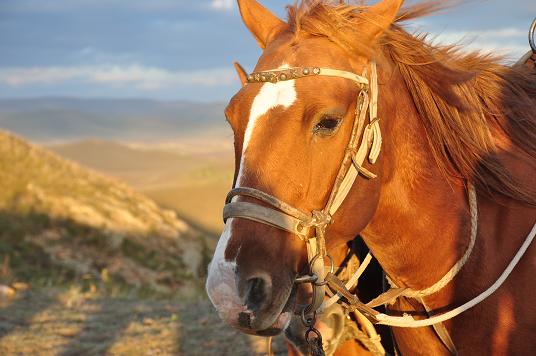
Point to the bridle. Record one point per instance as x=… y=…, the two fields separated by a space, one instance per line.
x=365 y=140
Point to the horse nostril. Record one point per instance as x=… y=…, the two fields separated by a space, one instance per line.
x=258 y=293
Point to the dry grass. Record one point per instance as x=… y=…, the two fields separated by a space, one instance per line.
x=191 y=177
x=62 y=223
x=202 y=205
x=76 y=323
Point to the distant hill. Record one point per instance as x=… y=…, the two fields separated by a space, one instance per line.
x=61 y=219
x=105 y=155
x=49 y=119
x=193 y=184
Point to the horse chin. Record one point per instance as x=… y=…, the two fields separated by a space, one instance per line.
x=282 y=322
x=279 y=320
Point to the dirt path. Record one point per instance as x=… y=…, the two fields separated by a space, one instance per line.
x=73 y=323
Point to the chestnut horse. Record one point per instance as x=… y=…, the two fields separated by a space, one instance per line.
x=450 y=122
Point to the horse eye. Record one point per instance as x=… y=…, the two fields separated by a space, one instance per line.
x=327 y=125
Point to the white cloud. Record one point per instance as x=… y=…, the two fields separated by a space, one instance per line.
x=510 y=42
x=222 y=4
x=133 y=75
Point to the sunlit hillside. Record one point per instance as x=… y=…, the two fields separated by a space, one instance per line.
x=62 y=222
x=190 y=179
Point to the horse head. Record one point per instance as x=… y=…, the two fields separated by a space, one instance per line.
x=290 y=139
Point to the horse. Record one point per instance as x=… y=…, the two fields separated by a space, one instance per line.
x=434 y=151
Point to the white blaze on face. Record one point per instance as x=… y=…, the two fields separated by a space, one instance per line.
x=269 y=97
x=221 y=282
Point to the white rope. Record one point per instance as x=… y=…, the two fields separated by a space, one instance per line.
x=449 y=276
x=407 y=321
x=374 y=339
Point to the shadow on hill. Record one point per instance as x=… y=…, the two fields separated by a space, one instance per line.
x=201 y=332
x=20 y=313
x=107 y=323
x=70 y=322
x=45 y=251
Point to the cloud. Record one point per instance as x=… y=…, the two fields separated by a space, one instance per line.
x=134 y=75
x=503 y=41
x=222 y=4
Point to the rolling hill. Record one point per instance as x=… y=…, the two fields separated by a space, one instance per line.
x=62 y=119
x=192 y=183
x=59 y=220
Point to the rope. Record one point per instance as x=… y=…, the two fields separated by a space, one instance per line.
x=370 y=342
x=373 y=338
x=449 y=276
x=408 y=321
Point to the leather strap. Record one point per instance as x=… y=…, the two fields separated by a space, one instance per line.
x=274 y=76
x=328 y=72
x=441 y=331
x=353 y=301
x=262 y=214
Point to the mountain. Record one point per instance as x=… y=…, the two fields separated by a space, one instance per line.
x=62 y=221
x=49 y=119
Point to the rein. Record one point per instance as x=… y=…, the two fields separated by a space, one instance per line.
x=365 y=141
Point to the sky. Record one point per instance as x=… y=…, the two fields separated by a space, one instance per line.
x=183 y=50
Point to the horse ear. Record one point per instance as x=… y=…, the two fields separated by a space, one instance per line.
x=379 y=17
x=260 y=21
x=241 y=73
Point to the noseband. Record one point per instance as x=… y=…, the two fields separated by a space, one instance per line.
x=365 y=140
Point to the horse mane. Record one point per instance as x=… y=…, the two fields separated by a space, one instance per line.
x=470 y=104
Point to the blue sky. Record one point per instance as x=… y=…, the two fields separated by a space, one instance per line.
x=178 y=49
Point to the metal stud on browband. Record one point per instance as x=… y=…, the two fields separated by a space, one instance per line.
x=274 y=76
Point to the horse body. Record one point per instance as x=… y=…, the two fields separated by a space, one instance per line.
x=447 y=121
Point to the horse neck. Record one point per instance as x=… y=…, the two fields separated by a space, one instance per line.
x=422 y=225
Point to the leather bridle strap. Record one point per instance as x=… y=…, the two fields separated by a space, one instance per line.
x=280 y=75
x=259 y=213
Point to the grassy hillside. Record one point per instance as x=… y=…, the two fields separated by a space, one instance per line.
x=61 y=222
x=191 y=177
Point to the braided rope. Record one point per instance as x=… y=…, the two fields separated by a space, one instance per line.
x=407 y=321
x=371 y=341
x=449 y=276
